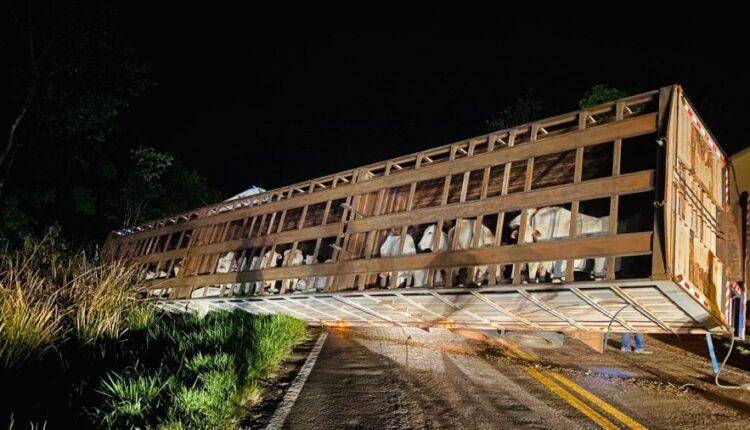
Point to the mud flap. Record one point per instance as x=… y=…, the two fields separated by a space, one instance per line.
x=711 y=353
x=592 y=339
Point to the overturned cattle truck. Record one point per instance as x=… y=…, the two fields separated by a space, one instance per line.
x=452 y=236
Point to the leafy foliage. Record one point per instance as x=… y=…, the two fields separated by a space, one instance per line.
x=68 y=157
x=526 y=109
x=598 y=94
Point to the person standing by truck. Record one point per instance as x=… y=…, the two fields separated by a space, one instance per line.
x=639 y=340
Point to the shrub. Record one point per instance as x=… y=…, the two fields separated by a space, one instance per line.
x=600 y=94
x=131 y=400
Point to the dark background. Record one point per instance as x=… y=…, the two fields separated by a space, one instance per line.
x=255 y=102
x=238 y=95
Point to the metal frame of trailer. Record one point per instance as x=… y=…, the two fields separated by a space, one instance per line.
x=484 y=178
x=634 y=305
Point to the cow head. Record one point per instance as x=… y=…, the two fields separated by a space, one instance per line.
x=428 y=238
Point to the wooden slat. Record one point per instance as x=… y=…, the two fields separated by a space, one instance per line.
x=596 y=188
x=300 y=235
x=598 y=246
x=623 y=129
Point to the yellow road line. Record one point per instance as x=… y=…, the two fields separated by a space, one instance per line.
x=606 y=407
x=515 y=351
x=572 y=400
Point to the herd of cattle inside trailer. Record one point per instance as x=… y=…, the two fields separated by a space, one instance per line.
x=558 y=224
x=549 y=223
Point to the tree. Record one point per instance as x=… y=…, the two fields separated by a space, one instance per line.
x=68 y=157
x=526 y=109
x=69 y=78
x=598 y=94
x=73 y=76
x=143 y=185
x=158 y=185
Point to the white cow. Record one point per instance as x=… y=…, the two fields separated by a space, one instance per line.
x=538 y=267
x=267 y=261
x=298 y=259
x=225 y=264
x=153 y=275
x=428 y=239
x=553 y=223
x=319 y=282
x=465 y=239
x=427 y=242
x=389 y=248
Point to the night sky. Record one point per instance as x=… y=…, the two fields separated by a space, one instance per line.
x=249 y=99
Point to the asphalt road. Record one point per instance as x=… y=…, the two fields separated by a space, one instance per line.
x=370 y=382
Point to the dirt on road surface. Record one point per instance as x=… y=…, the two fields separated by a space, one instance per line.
x=376 y=379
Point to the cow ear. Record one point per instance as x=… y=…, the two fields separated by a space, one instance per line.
x=536 y=233
x=514 y=234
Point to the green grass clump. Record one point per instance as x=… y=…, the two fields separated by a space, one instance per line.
x=272 y=339
x=140 y=315
x=207 y=362
x=210 y=403
x=132 y=400
x=214 y=366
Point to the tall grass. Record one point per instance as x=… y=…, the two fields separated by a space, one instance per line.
x=47 y=294
x=98 y=297
x=121 y=362
x=31 y=319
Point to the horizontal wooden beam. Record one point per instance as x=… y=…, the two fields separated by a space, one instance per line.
x=499 y=134
x=300 y=235
x=599 y=246
x=594 y=189
x=590 y=136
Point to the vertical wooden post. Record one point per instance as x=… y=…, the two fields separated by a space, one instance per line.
x=574 y=207
x=372 y=236
x=448 y=281
x=614 y=202
x=525 y=213
x=341 y=241
x=405 y=228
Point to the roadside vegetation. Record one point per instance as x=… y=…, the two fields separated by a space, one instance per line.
x=78 y=349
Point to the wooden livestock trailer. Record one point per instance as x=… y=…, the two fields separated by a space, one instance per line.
x=646 y=162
